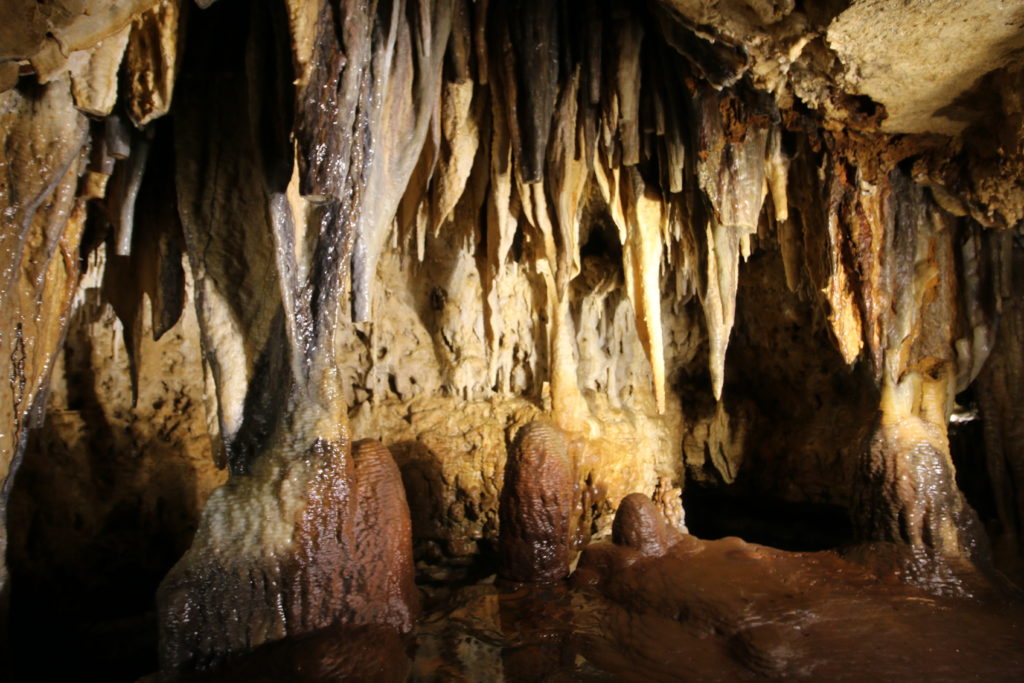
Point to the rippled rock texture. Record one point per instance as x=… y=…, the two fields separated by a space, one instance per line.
x=536 y=510
x=325 y=540
x=723 y=610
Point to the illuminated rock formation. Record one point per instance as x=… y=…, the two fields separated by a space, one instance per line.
x=762 y=248
x=289 y=551
x=535 y=513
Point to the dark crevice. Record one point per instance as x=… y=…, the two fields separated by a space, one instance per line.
x=713 y=513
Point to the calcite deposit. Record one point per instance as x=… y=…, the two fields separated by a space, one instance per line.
x=305 y=301
x=537 y=526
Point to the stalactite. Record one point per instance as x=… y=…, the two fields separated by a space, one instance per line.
x=219 y=201
x=44 y=143
x=94 y=74
x=127 y=193
x=731 y=173
x=460 y=126
x=534 y=29
x=406 y=81
x=152 y=59
x=978 y=303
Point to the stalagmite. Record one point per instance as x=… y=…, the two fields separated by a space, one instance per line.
x=536 y=506
x=641 y=526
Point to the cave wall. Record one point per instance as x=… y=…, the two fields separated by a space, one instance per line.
x=715 y=242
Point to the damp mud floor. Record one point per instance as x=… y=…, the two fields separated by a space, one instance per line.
x=721 y=610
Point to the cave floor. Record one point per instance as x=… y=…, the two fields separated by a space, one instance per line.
x=720 y=610
x=726 y=610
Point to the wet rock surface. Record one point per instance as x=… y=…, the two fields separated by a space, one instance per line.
x=323 y=541
x=535 y=512
x=766 y=247
x=642 y=526
x=719 y=610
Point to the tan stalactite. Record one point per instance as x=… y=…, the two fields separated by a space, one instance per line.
x=642 y=255
x=732 y=177
x=844 y=315
x=640 y=217
x=567 y=179
x=568 y=176
x=502 y=225
x=302 y=26
x=569 y=410
x=777 y=173
x=94 y=74
x=460 y=128
x=152 y=60
x=43 y=150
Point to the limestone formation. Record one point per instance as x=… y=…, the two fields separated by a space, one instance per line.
x=766 y=248
x=535 y=513
x=640 y=525
x=288 y=551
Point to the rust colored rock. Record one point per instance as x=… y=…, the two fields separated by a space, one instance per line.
x=911 y=495
x=535 y=512
x=336 y=653
x=640 y=525
x=298 y=546
x=382 y=556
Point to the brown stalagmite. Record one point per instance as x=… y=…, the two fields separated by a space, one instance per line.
x=535 y=538
x=270 y=559
x=640 y=525
x=317 y=540
x=382 y=562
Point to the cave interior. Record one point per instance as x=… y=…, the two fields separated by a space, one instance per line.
x=511 y=340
